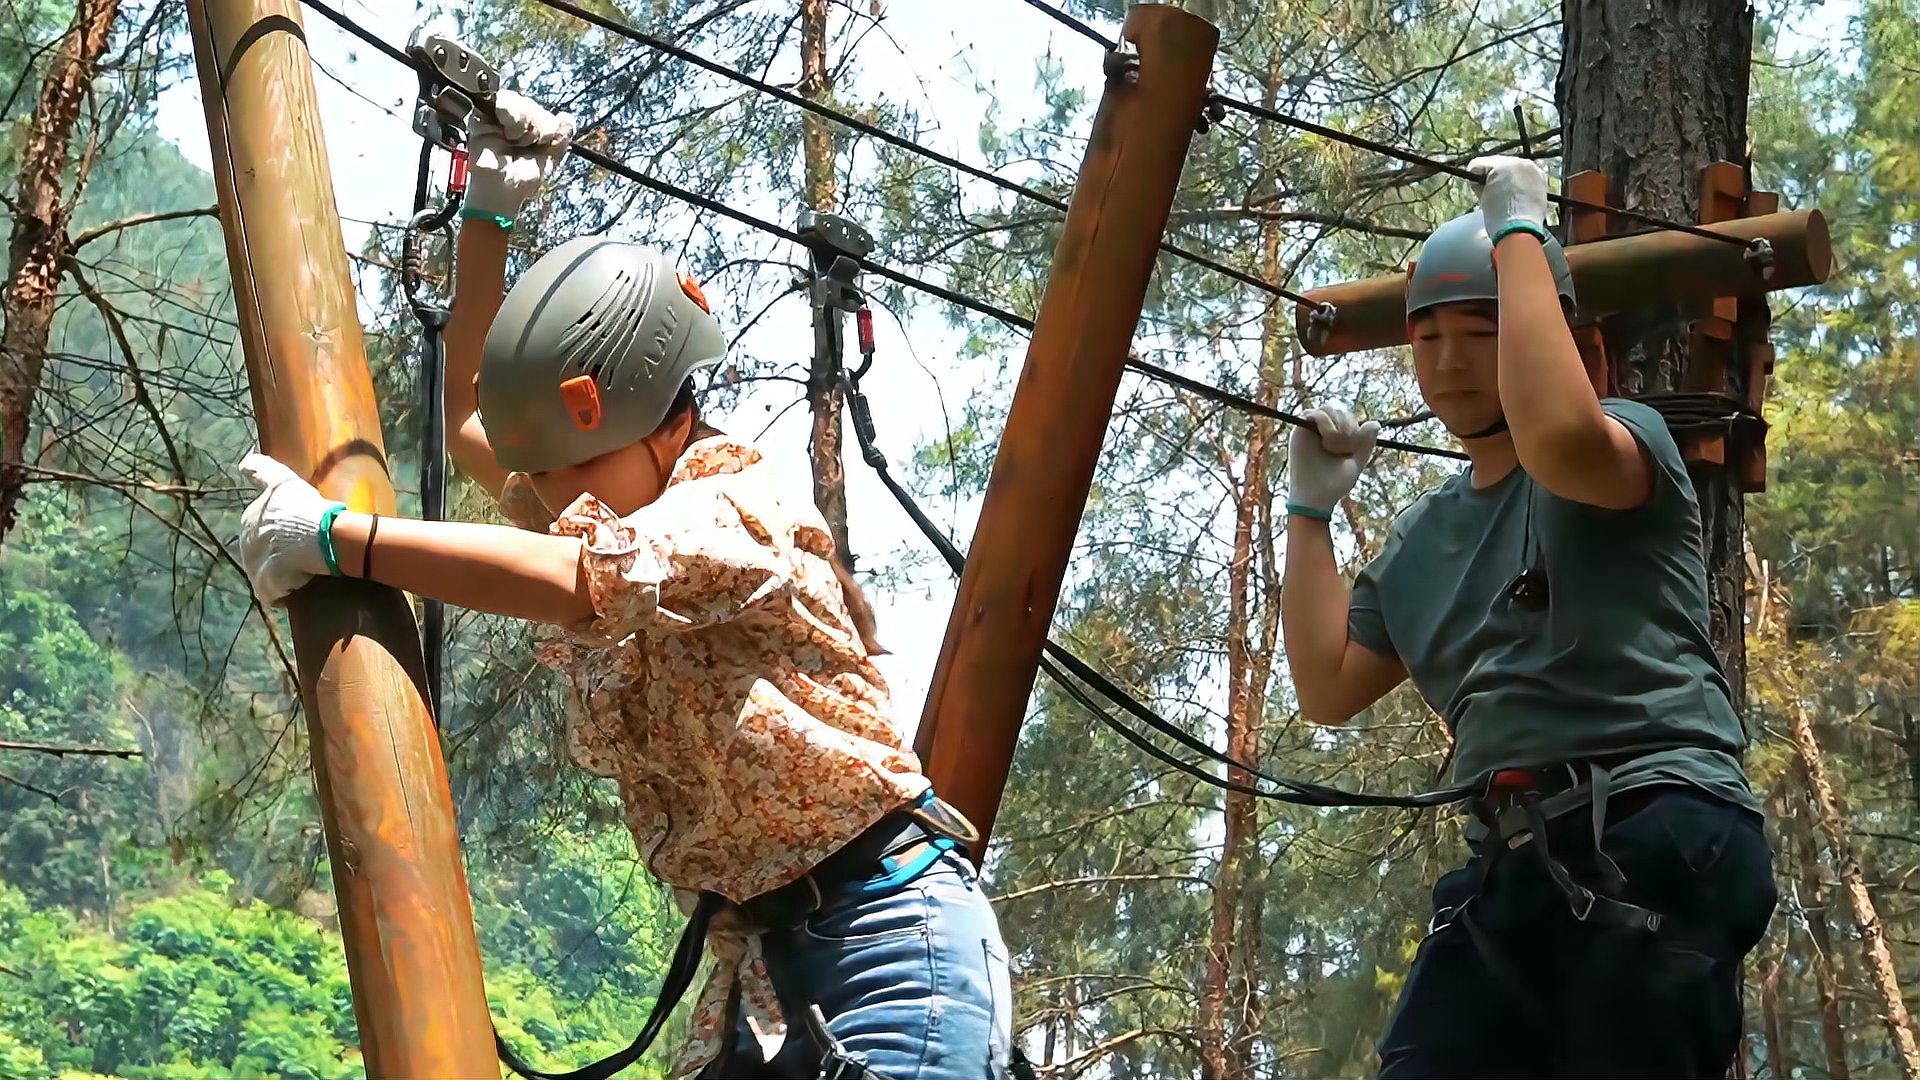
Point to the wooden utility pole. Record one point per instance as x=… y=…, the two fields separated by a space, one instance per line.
x=37 y=248
x=1038 y=489
x=405 y=914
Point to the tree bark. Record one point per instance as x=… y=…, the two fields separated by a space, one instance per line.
x=1831 y=815
x=824 y=396
x=1650 y=94
x=1813 y=892
x=1249 y=667
x=1777 y=1064
x=37 y=248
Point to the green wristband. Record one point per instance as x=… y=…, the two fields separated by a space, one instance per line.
x=327 y=550
x=1305 y=511
x=468 y=213
x=1521 y=225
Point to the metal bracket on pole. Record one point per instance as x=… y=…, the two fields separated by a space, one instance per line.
x=837 y=246
x=1212 y=112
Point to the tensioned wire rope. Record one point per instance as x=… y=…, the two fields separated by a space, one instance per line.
x=1217 y=394
x=1057 y=657
x=1385 y=150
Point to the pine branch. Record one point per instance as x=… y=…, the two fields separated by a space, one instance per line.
x=59 y=750
x=127 y=484
x=37 y=790
x=1100 y=879
x=1307 y=217
x=99 y=231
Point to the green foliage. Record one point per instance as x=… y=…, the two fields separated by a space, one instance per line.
x=192 y=985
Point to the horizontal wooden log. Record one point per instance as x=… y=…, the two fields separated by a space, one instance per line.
x=1609 y=276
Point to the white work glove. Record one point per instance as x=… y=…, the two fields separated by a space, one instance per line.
x=1325 y=459
x=1513 y=193
x=509 y=160
x=280 y=530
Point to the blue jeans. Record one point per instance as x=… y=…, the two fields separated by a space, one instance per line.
x=914 y=983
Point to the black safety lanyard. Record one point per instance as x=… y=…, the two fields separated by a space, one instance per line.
x=454 y=85
x=433 y=318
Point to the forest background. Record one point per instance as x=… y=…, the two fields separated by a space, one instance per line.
x=170 y=914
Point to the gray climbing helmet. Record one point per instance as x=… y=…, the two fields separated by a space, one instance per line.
x=588 y=352
x=1456 y=263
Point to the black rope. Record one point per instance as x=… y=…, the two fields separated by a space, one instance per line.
x=994 y=311
x=633 y=33
x=1071 y=23
x=1383 y=149
x=1697 y=411
x=1236 y=401
x=1461 y=171
x=1295 y=791
x=1055 y=657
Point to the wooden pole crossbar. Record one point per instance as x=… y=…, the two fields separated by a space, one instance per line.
x=405 y=915
x=1609 y=276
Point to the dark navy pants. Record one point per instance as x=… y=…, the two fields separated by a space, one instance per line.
x=1561 y=997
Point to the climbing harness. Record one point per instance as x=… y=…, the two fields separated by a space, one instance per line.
x=901 y=847
x=454 y=84
x=1512 y=816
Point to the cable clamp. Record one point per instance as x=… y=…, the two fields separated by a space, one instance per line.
x=1212 y=111
x=1320 y=325
x=1760 y=257
x=1122 y=63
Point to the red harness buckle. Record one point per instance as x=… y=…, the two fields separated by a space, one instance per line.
x=1510 y=781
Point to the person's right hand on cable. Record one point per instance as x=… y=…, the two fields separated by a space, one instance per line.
x=1326 y=456
x=511 y=155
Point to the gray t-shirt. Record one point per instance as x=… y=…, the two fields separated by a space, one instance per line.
x=1618 y=662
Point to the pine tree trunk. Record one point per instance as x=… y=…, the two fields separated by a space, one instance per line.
x=1249 y=667
x=38 y=244
x=1831 y=815
x=1776 y=1042
x=1814 y=898
x=824 y=396
x=1650 y=94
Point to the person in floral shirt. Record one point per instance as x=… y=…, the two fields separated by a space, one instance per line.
x=717 y=654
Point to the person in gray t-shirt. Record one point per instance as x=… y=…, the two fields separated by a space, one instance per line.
x=1550 y=603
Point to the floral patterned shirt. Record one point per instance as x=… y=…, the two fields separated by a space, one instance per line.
x=721 y=682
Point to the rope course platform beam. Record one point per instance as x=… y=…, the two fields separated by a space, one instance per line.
x=1609 y=276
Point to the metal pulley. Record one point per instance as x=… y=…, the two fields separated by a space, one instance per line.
x=837 y=246
x=454 y=83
